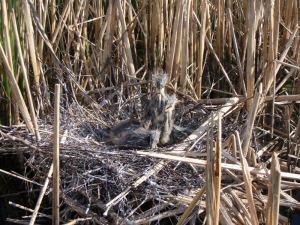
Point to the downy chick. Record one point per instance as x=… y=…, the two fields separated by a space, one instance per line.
x=159 y=112
x=129 y=133
x=169 y=119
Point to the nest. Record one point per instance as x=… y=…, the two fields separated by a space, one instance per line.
x=93 y=171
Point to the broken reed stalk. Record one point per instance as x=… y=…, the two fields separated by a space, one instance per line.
x=25 y=77
x=274 y=192
x=248 y=182
x=55 y=192
x=41 y=196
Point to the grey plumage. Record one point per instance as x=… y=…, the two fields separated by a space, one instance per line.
x=159 y=113
x=169 y=119
x=157 y=122
x=129 y=133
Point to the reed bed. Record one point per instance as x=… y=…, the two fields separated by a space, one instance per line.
x=233 y=65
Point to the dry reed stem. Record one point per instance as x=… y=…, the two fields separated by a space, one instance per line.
x=110 y=19
x=41 y=196
x=228 y=207
x=52 y=16
x=288 y=45
x=203 y=9
x=274 y=192
x=174 y=38
x=25 y=179
x=14 y=107
x=247 y=133
x=59 y=27
x=240 y=205
x=32 y=46
x=191 y=207
x=248 y=182
x=185 y=45
x=27 y=209
x=210 y=187
x=234 y=167
x=208 y=43
x=225 y=218
x=77 y=221
x=6 y=33
x=55 y=191
x=288 y=19
x=25 y=77
x=17 y=95
x=237 y=54
x=43 y=18
x=233 y=146
x=217 y=171
x=125 y=39
x=154 y=27
x=268 y=83
x=282 y=99
x=250 y=66
x=220 y=33
x=178 y=47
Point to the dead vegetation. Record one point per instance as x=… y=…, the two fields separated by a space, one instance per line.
x=172 y=112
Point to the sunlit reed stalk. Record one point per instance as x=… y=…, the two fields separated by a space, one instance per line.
x=16 y=93
x=198 y=83
x=32 y=46
x=14 y=108
x=25 y=77
x=250 y=65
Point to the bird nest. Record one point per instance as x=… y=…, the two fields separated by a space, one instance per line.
x=103 y=183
